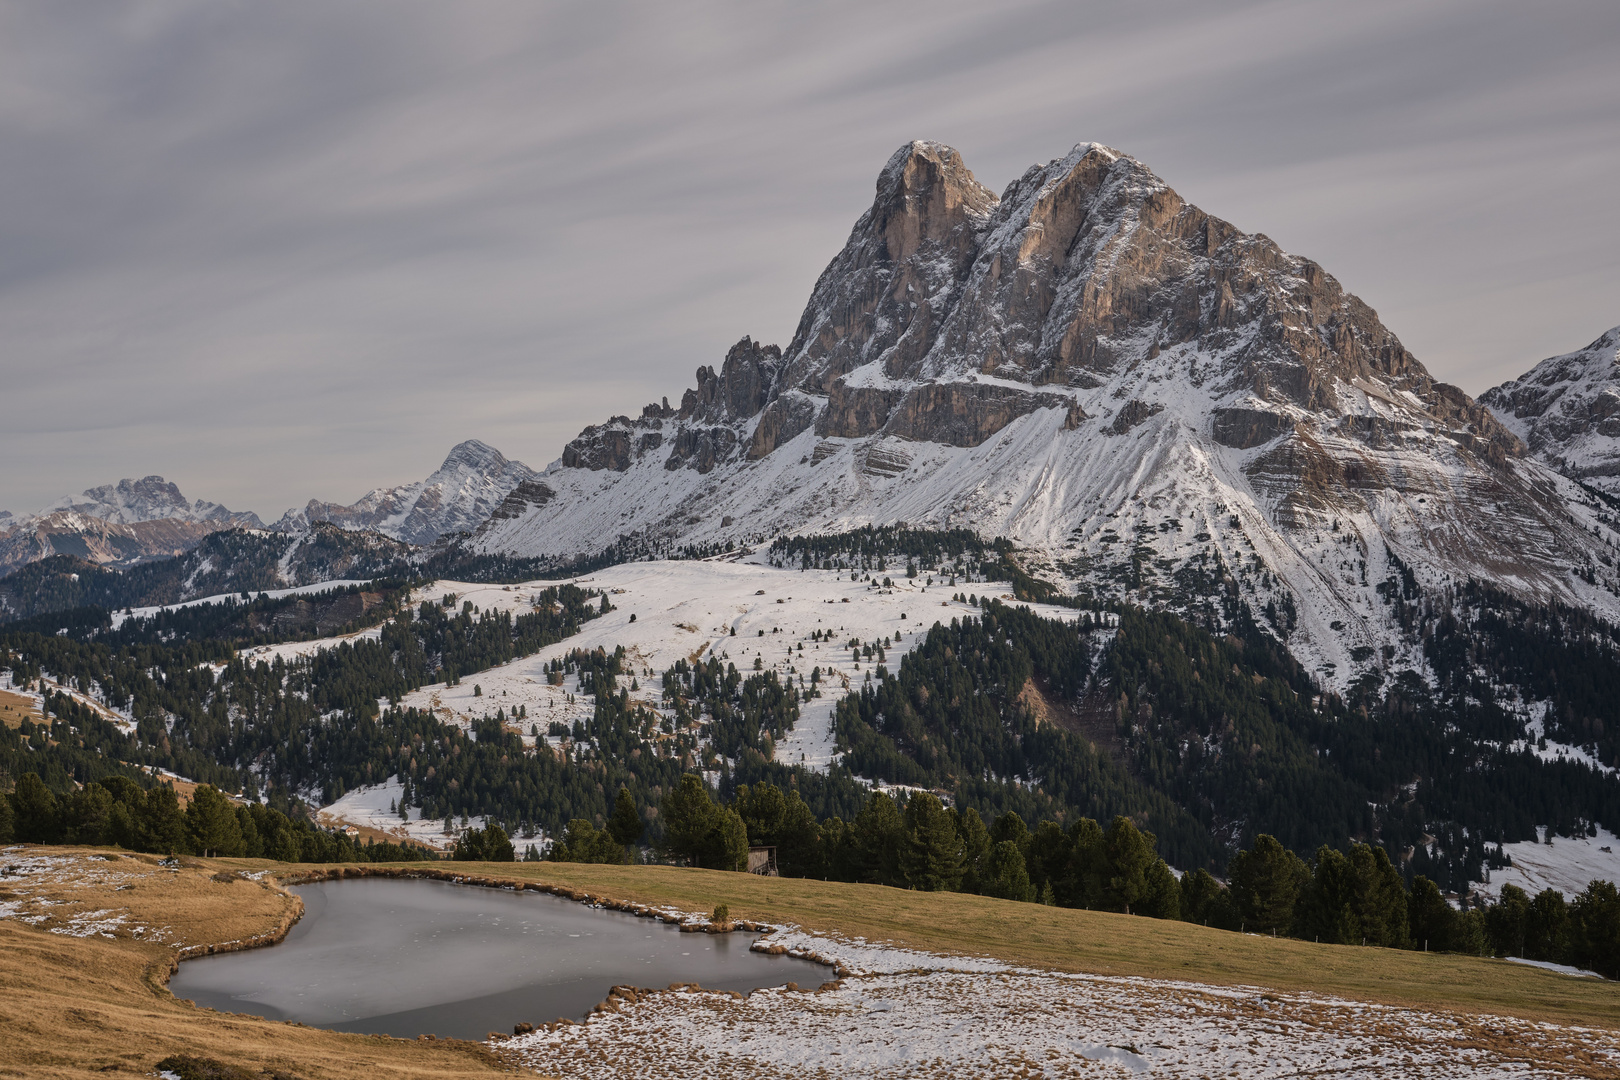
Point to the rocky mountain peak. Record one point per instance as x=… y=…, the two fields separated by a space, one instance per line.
x=462 y=493
x=150 y=498
x=1085 y=361
x=472 y=456
x=1567 y=409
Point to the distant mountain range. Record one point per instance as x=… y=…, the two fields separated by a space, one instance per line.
x=1154 y=405
x=136 y=521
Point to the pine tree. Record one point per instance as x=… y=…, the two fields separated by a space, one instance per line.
x=35 y=819
x=625 y=824
x=212 y=825
x=932 y=857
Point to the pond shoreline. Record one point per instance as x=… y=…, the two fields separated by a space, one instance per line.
x=619 y=994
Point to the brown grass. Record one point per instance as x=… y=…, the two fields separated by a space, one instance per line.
x=83 y=1007
x=77 y=1007
x=15 y=708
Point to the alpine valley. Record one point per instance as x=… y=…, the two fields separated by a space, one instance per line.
x=1253 y=569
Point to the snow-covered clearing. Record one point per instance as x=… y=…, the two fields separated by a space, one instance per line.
x=274 y=594
x=1568 y=864
x=911 y=1014
x=689 y=610
x=369 y=808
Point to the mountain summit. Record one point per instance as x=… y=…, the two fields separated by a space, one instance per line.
x=150 y=498
x=1155 y=402
x=457 y=497
x=1567 y=408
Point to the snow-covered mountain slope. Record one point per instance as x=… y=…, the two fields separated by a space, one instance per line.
x=1157 y=404
x=1567 y=409
x=461 y=494
x=150 y=498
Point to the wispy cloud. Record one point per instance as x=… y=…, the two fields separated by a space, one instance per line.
x=277 y=251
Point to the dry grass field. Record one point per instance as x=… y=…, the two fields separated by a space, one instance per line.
x=15 y=708
x=95 y=1005
x=90 y=935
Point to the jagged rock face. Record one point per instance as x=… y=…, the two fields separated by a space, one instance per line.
x=118 y=524
x=1086 y=358
x=150 y=498
x=472 y=484
x=98 y=540
x=1567 y=409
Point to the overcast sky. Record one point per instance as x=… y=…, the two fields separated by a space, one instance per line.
x=276 y=251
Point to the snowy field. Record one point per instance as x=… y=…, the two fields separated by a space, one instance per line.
x=377 y=807
x=682 y=610
x=1566 y=864
x=47 y=685
x=274 y=594
x=911 y=1014
x=689 y=610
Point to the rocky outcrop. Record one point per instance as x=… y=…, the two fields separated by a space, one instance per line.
x=604 y=446
x=1133 y=413
x=782 y=421
x=964 y=413
x=1567 y=409
x=1242 y=427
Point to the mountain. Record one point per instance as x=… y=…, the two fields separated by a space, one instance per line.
x=151 y=498
x=224 y=561
x=1157 y=405
x=118 y=524
x=1567 y=409
x=460 y=495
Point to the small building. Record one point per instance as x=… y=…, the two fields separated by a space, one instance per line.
x=762 y=861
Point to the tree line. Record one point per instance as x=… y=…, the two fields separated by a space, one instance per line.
x=118 y=811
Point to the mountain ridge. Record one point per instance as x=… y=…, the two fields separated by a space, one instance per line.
x=1137 y=391
x=1567 y=411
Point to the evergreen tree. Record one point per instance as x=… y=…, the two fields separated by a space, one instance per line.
x=1506 y=921
x=1595 y=929
x=7 y=820
x=1266 y=883
x=87 y=815
x=1429 y=919
x=687 y=814
x=34 y=811
x=625 y=825
x=932 y=857
x=976 y=849
x=581 y=842
x=1130 y=856
x=1203 y=900
x=726 y=846
x=1004 y=874
x=211 y=824
x=879 y=833
x=1546 y=929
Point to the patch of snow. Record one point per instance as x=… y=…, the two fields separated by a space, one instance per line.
x=1568 y=864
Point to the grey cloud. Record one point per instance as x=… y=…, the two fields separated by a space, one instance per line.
x=293 y=250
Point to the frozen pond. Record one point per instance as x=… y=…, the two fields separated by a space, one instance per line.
x=408 y=958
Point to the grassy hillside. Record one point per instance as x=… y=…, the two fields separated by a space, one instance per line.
x=78 y=1007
